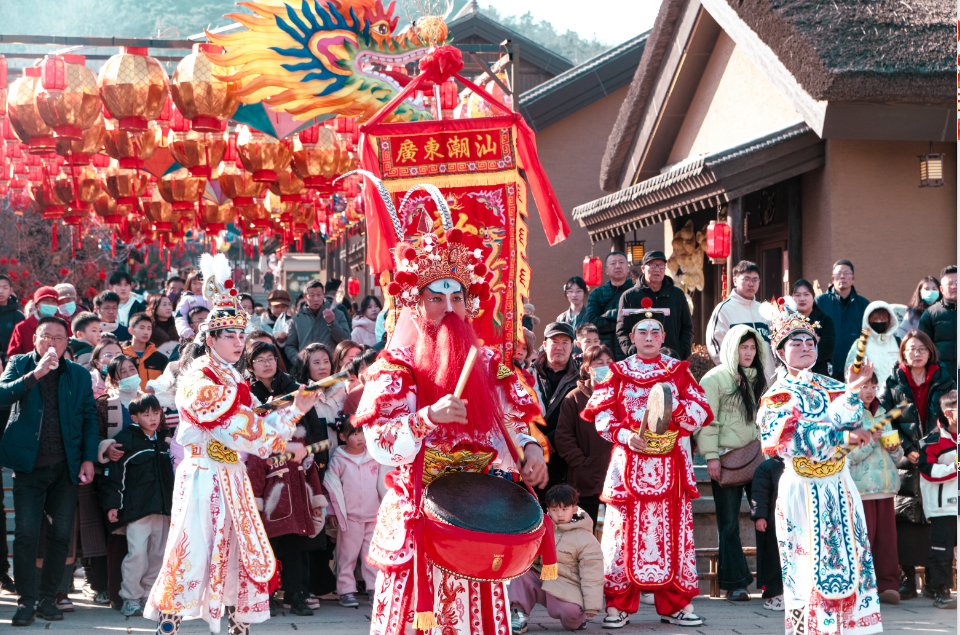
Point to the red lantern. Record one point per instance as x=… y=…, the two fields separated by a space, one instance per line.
x=592 y=271
x=449 y=94
x=53 y=73
x=310 y=136
x=353 y=287
x=718 y=242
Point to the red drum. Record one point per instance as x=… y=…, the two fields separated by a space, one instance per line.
x=481 y=527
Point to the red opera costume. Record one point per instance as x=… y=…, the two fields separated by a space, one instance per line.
x=648 y=528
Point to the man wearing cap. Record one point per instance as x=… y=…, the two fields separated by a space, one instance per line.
x=648 y=528
x=46 y=302
x=557 y=373
x=659 y=288
x=829 y=585
x=276 y=320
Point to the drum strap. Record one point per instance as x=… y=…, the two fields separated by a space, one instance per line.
x=424 y=619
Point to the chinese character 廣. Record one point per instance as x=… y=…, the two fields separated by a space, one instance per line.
x=407 y=151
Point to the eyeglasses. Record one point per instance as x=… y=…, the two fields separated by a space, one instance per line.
x=58 y=339
x=915 y=349
x=265 y=361
x=660 y=267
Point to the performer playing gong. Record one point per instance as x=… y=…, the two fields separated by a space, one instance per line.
x=648 y=528
x=217 y=552
x=828 y=578
x=408 y=402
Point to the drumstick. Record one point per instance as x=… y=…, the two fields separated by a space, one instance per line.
x=877 y=426
x=462 y=383
x=861 y=351
x=313 y=447
x=286 y=400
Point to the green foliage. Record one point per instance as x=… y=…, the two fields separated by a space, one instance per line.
x=569 y=44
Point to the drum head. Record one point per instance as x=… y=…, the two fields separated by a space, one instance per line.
x=659 y=412
x=481 y=502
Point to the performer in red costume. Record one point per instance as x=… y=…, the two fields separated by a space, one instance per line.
x=408 y=401
x=648 y=528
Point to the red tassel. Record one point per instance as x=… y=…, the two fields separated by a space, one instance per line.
x=53 y=240
x=73 y=242
x=113 y=245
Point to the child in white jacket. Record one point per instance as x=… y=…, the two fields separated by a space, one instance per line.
x=351 y=482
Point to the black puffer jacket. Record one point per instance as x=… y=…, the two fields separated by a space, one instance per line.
x=141 y=482
x=940 y=323
x=10 y=316
x=602 y=311
x=763 y=495
x=678 y=326
x=897 y=388
x=828 y=340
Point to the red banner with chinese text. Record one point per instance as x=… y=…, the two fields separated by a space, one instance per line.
x=474 y=164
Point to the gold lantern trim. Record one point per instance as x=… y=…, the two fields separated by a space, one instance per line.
x=202 y=98
x=133 y=87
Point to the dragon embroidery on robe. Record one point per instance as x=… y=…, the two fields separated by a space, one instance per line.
x=318 y=58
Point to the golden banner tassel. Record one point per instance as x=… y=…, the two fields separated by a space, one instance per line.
x=549 y=572
x=424 y=621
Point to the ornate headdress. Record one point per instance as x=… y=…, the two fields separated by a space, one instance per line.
x=224 y=301
x=785 y=319
x=454 y=254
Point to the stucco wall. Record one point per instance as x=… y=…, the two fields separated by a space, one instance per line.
x=570 y=151
x=734 y=103
x=865 y=205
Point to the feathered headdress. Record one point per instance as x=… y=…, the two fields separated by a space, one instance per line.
x=222 y=297
x=785 y=319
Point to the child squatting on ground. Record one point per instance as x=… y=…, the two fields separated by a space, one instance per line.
x=577 y=593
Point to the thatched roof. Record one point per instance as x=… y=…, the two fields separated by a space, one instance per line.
x=838 y=50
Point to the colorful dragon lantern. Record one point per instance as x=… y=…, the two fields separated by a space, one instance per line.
x=319 y=59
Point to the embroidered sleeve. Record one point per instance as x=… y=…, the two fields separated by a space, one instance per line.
x=786 y=430
x=691 y=411
x=846 y=411
x=603 y=410
x=387 y=412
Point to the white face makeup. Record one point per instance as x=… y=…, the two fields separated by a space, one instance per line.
x=447 y=287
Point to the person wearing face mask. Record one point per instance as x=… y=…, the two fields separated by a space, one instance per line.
x=829 y=585
x=924 y=296
x=67 y=301
x=883 y=347
x=46 y=304
x=587 y=453
x=733 y=391
x=940 y=320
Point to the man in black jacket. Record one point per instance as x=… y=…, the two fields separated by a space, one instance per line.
x=557 y=374
x=656 y=285
x=602 y=305
x=10 y=316
x=940 y=320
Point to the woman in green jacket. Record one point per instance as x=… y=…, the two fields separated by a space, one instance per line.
x=733 y=390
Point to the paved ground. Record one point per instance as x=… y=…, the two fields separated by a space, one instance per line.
x=721 y=618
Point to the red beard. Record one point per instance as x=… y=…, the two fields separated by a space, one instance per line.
x=439 y=356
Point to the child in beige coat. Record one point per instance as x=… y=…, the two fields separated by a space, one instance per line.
x=577 y=593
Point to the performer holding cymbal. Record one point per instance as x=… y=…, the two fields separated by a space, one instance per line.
x=647 y=406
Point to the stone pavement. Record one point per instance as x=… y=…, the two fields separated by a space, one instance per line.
x=721 y=618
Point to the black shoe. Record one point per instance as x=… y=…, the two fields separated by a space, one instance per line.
x=47 y=609
x=298 y=604
x=24 y=616
x=908 y=592
x=6 y=584
x=275 y=606
x=944 y=600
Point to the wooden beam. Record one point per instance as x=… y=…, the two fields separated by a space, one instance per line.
x=57 y=40
x=794 y=227
x=490 y=73
x=735 y=218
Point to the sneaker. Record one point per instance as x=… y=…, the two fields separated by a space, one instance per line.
x=47 y=609
x=102 y=599
x=774 y=604
x=131 y=608
x=738 y=595
x=518 y=621
x=621 y=619
x=298 y=605
x=312 y=601
x=647 y=598
x=349 y=600
x=24 y=616
x=889 y=597
x=64 y=603
x=683 y=617
x=944 y=600
x=6 y=585
x=908 y=592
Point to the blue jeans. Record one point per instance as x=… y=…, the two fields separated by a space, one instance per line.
x=732 y=570
x=47 y=490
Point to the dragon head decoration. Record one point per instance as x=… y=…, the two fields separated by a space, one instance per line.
x=338 y=57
